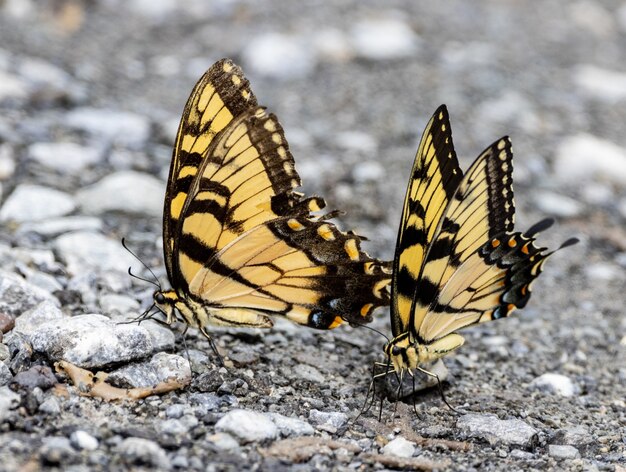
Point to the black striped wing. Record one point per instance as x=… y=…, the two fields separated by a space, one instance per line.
x=462 y=281
x=222 y=94
x=434 y=179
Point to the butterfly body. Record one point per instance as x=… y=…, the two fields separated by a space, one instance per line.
x=458 y=261
x=240 y=244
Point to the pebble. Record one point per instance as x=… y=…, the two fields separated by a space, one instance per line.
x=383 y=39
x=115 y=304
x=496 y=431
x=247 y=426
x=35 y=202
x=175 y=411
x=143 y=451
x=556 y=384
x=332 y=45
x=5 y=374
x=603 y=271
x=6 y=323
x=83 y=441
x=127 y=192
x=558 y=205
x=50 y=406
x=163 y=338
x=7 y=162
x=577 y=435
x=37 y=376
x=56 y=450
x=335 y=419
x=563 y=452
x=223 y=442
x=64 y=157
x=583 y=157
x=160 y=368
x=31 y=319
x=621 y=207
x=9 y=400
x=81 y=249
x=42 y=280
x=173 y=427
x=310 y=373
x=12 y=87
x=400 y=447
x=368 y=172
x=17 y=295
x=279 y=56
x=356 y=141
x=112 y=126
x=91 y=341
x=289 y=427
x=53 y=227
x=599 y=83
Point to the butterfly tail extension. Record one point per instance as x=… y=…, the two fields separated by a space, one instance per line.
x=522 y=260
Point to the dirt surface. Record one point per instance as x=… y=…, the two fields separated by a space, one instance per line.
x=545 y=73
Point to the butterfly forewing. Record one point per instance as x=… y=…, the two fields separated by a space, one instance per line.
x=222 y=94
x=434 y=179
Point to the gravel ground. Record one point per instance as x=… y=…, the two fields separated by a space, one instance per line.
x=90 y=97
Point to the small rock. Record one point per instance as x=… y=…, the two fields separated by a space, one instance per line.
x=496 y=431
x=175 y=411
x=383 y=38
x=116 y=304
x=223 y=442
x=36 y=202
x=139 y=451
x=558 y=205
x=9 y=400
x=368 y=172
x=335 y=419
x=555 y=384
x=21 y=351
x=248 y=426
x=7 y=323
x=31 y=319
x=310 y=373
x=37 y=376
x=83 y=441
x=42 y=280
x=206 y=401
x=173 y=427
x=163 y=338
x=268 y=54
x=7 y=161
x=114 y=126
x=578 y=436
x=357 y=141
x=332 y=45
x=161 y=368
x=563 y=452
x=50 y=406
x=12 y=87
x=602 y=84
x=18 y=296
x=128 y=192
x=399 y=447
x=91 y=341
x=584 y=157
x=5 y=374
x=603 y=272
x=56 y=450
x=64 y=157
x=55 y=226
x=83 y=248
x=291 y=426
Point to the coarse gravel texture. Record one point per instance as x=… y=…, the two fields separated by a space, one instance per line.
x=90 y=98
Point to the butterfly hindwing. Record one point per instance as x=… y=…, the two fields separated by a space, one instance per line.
x=434 y=179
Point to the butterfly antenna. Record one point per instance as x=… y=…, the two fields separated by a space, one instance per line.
x=156 y=282
x=363 y=325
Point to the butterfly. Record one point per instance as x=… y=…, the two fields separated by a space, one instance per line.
x=458 y=261
x=239 y=243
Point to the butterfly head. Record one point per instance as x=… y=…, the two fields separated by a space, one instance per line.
x=402 y=353
x=166 y=301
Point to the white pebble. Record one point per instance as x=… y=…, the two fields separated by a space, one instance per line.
x=64 y=157
x=554 y=383
x=82 y=440
x=603 y=84
x=35 y=202
x=399 y=447
x=558 y=205
x=386 y=38
x=248 y=426
x=279 y=56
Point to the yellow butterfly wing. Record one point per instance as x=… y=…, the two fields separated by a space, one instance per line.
x=434 y=179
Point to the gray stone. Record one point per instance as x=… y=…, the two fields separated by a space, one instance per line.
x=35 y=202
x=267 y=55
x=119 y=127
x=223 y=442
x=160 y=368
x=364 y=144
x=64 y=157
x=206 y=402
x=291 y=426
x=41 y=73
x=127 y=192
x=368 y=172
x=602 y=84
x=56 y=226
x=7 y=161
x=560 y=452
x=247 y=426
x=83 y=441
x=116 y=304
x=335 y=419
x=17 y=295
x=583 y=157
x=5 y=374
x=33 y=318
x=12 y=87
x=163 y=338
x=56 y=450
x=143 y=451
x=496 y=431
x=310 y=373
x=603 y=272
x=173 y=427
x=50 y=406
x=42 y=280
x=9 y=400
x=383 y=39
x=175 y=411
x=83 y=248
x=558 y=205
x=91 y=341
x=400 y=447
x=577 y=435
x=555 y=384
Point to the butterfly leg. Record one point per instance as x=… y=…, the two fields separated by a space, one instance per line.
x=213 y=346
x=443 y=396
